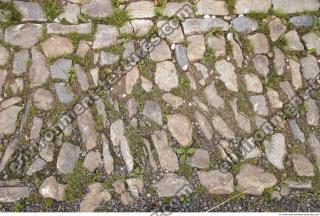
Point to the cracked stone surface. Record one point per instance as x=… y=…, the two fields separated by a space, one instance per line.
x=137 y=106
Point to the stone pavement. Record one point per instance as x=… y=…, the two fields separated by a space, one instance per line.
x=176 y=110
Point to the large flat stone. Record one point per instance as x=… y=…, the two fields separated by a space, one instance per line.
x=198 y=26
x=23 y=35
x=296 y=6
x=247 y=6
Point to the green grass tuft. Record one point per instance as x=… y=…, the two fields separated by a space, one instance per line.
x=51 y=8
x=230 y=5
x=13 y=16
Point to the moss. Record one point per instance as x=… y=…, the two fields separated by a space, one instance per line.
x=119 y=18
x=116 y=49
x=13 y=17
x=77 y=37
x=78 y=182
x=273 y=79
x=278 y=13
x=183 y=90
x=216 y=32
x=51 y=8
x=280 y=43
x=257 y=15
x=17 y=206
x=135 y=140
x=47 y=203
x=230 y=5
x=185 y=43
x=209 y=58
x=158 y=11
x=147 y=67
x=184 y=155
x=246 y=45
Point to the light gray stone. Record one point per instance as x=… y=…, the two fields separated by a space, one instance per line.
x=295 y=6
x=167 y=157
x=92 y=161
x=4 y=55
x=217 y=182
x=312 y=115
x=131 y=79
x=223 y=129
x=236 y=50
x=244 y=25
x=278 y=61
x=83 y=48
x=314 y=144
x=8 y=118
x=274 y=99
x=246 y=6
x=253 y=180
x=218 y=44
x=141 y=27
x=276 y=150
x=181 y=56
x=160 y=52
x=39 y=70
x=82 y=78
x=172 y=185
x=211 y=7
x=20 y=62
x=108 y=58
x=293 y=41
x=196 y=47
x=60 y=69
x=14 y=194
x=176 y=34
x=173 y=100
x=70 y=13
x=242 y=121
x=135 y=186
x=107 y=157
x=57 y=28
x=253 y=83
x=152 y=111
x=259 y=105
x=178 y=8
x=212 y=97
x=296 y=131
x=106 y=36
x=67 y=158
x=65 y=94
x=310 y=68
x=166 y=76
x=198 y=26
x=261 y=63
x=98 y=8
x=30 y=11
x=295 y=74
x=227 y=75
x=312 y=41
x=141 y=9
x=36 y=166
x=302 y=21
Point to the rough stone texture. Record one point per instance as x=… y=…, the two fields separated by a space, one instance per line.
x=295 y=74
x=106 y=36
x=246 y=6
x=296 y=131
x=242 y=121
x=259 y=43
x=172 y=185
x=227 y=75
x=13 y=194
x=50 y=188
x=173 y=100
x=236 y=50
x=160 y=52
x=135 y=186
x=67 y=158
x=211 y=7
x=107 y=58
x=176 y=34
x=197 y=26
x=244 y=25
x=217 y=182
x=70 y=13
x=8 y=118
x=312 y=114
x=253 y=83
x=302 y=21
x=310 y=68
x=87 y=129
x=221 y=126
x=293 y=41
x=204 y=125
x=23 y=35
x=119 y=141
x=141 y=9
x=166 y=76
x=60 y=69
x=57 y=46
x=107 y=157
x=64 y=93
x=295 y=6
x=276 y=150
x=200 y=159
x=97 y=196
x=302 y=166
x=180 y=128
x=92 y=161
x=141 y=27
x=168 y=159
x=30 y=11
x=152 y=111
x=212 y=97
x=97 y=8
x=56 y=28
x=43 y=99
x=314 y=145
x=172 y=9
x=261 y=63
x=218 y=44
x=20 y=61
x=39 y=70
x=276 y=29
x=312 y=41
x=181 y=56
x=259 y=105
x=278 y=61
x=196 y=47
x=36 y=166
x=253 y=180
x=274 y=99
x=4 y=55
